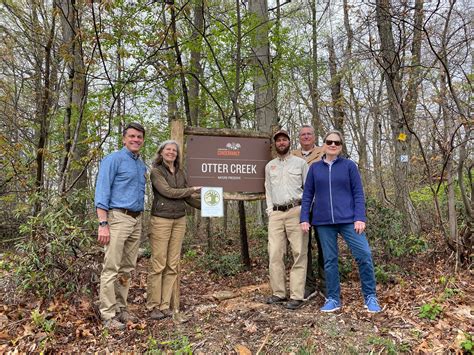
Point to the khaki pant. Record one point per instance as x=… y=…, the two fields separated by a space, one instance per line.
x=119 y=261
x=283 y=227
x=166 y=239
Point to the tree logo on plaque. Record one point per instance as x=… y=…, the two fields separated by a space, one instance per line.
x=212 y=197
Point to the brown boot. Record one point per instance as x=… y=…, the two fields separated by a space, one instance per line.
x=156 y=314
x=114 y=324
x=167 y=312
x=125 y=316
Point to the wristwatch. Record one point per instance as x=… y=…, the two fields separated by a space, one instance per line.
x=103 y=223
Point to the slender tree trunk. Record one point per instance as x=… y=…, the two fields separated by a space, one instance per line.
x=179 y=61
x=314 y=81
x=360 y=128
x=244 y=245
x=76 y=86
x=196 y=68
x=43 y=70
x=336 y=91
x=377 y=145
x=170 y=83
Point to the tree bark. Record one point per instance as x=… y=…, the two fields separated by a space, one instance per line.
x=74 y=128
x=43 y=93
x=196 y=67
x=179 y=62
x=390 y=63
x=265 y=98
x=336 y=91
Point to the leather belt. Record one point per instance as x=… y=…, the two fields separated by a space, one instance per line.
x=285 y=208
x=128 y=212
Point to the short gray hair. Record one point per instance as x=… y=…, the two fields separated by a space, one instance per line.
x=306 y=126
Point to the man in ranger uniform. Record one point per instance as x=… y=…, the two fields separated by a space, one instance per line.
x=284 y=180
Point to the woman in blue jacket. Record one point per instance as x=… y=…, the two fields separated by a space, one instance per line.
x=334 y=186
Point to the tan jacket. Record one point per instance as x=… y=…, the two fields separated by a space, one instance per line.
x=315 y=155
x=170 y=193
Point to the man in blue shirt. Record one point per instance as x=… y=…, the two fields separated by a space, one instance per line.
x=119 y=201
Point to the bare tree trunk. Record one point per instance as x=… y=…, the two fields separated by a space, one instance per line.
x=391 y=68
x=314 y=80
x=359 y=128
x=265 y=98
x=76 y=97
x=196 y=68
x=179 y=61
x=170 y=83
x=244 y=245
x=377 y=145
x=336 y=91
x=43 y=104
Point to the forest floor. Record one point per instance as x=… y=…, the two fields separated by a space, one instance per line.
x=425 y=310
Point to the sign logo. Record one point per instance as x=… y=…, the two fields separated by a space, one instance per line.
x=231 y=149
x=212 y=197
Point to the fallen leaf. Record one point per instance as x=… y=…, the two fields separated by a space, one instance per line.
x=3 y=320
x=224 y=295
x=464 y=312
x=242 y=350
x=250 y=327
x=4 y=335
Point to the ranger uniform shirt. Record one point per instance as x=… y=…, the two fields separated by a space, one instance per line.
x=284 y=180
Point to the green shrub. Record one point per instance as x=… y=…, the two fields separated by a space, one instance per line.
x=381 y=275
x=179 y=345
x=41 y=322
x=468 y=345
x=385 y=228
x=223 y=265
x=345 y=267
x=55 y=252
x=431 y=310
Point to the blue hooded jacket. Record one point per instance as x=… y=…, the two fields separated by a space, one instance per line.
x=337 y=193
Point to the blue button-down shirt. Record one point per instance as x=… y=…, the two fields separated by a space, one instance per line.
x=121 y=182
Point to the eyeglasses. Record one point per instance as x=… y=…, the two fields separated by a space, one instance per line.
x=330 y=142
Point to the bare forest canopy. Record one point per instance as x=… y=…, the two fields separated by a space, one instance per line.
x=395 y=77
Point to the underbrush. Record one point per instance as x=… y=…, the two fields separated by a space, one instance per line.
x=385 y=232
x=55 y=253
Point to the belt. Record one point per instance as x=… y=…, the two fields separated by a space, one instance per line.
x=127 y=212
x=285 y=208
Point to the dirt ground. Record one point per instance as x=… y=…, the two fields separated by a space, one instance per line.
x=228 y=315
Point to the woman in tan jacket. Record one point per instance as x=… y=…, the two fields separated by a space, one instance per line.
x=167 y=226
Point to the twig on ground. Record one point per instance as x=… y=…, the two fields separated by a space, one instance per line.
x=264 y=342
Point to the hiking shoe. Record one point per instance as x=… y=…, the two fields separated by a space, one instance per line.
x=309 y=293
x=274 y=299
x=167 y=312
x=372 y=304
x=330 y=306
x=114 y=324
x=156 y=314
x=125 y=316
x=293 y=304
